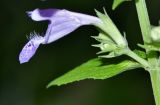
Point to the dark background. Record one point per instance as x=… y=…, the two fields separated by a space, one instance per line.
x=25 y=84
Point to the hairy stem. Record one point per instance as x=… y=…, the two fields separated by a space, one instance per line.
x=143 y=20
x=151 y=55
x=155 y=79
x=137 y=58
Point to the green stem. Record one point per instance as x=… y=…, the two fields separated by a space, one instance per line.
x=143 y=20
x=151 y=55
x=142 y=61
x=155 y=79
x=145 y=28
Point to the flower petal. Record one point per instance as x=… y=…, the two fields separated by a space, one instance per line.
x=30 y=49
x=62 y=22
x=60 y=28
x=27 y=52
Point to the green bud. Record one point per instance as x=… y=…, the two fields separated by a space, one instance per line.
x=155 y=34
x=108 y=47
x=106 y=43
x=103 y=38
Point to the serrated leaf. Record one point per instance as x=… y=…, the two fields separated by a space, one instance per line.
x=94 y=69
x=116 y=3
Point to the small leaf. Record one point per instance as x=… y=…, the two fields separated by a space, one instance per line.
x=94 y=69
x=142 y=54
x=116 y=3
x=150 y=47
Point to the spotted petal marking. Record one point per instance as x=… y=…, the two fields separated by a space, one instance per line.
x=30 y=48
x=28 y=51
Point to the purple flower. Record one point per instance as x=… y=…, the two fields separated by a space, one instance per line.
x=61 y=23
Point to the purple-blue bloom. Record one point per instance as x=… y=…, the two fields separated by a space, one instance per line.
x=61 y=23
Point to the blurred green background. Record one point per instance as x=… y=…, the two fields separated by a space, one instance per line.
x=26 y=84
